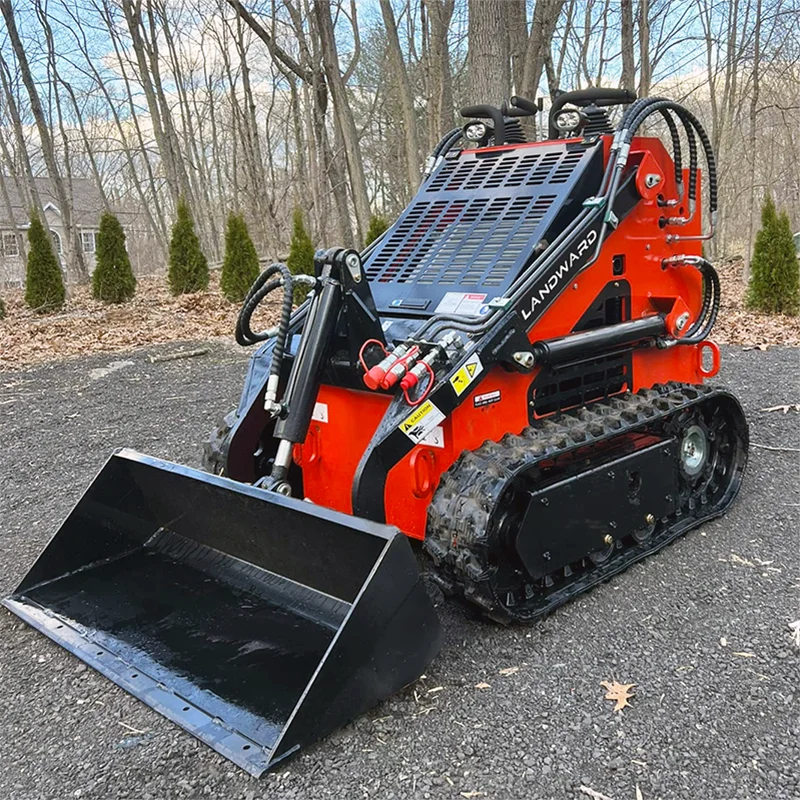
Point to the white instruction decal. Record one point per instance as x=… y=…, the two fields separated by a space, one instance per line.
x=435 y=438
x=320 y=412
x=466 y=303
x=421 y=421
x=467 y=373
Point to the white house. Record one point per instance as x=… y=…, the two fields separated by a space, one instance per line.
x=87 y=207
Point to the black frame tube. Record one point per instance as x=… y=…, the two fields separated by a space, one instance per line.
x=303 y=384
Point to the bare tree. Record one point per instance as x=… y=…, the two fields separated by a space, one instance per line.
x=76 y=266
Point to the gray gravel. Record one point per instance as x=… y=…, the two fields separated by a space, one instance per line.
x=710 y=720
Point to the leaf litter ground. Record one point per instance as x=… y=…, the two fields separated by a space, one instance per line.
x=154 y=316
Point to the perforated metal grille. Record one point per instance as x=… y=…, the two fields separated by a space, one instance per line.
x=476 y=221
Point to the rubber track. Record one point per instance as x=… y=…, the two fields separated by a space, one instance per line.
x=459 y=517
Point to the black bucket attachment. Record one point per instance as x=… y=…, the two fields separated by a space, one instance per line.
x=258 y=623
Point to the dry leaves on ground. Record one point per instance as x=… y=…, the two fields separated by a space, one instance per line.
x=619 y=692
x=738 y=325
x=85 y=325
x=154 y=316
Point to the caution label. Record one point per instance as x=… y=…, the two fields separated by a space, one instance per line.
x=421 y=422
x=467 y=373
x=486 y=399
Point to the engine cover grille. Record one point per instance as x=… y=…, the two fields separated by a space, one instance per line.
x=476 y=221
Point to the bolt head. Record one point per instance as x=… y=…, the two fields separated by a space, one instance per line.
x=608 y=539
x=650 y=519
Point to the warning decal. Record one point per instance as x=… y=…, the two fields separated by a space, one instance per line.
x=467 y=373
x=467 y=304
x=421 y=422
x=486 y=399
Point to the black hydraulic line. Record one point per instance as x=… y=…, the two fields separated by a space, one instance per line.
x=258 y=291
x=708 y=316
x=447 y=141
x=599 y=340
x=676 y=147
x=687 y=117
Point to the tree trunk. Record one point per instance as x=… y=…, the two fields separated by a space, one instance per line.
x=440 y=77
x=628 y=78
x=752 y=139
x=76 y=267
x=488 y=52
x=403 y=85
x=644 y=48
x=344 y=124
x=543 y=26
x=32 y=193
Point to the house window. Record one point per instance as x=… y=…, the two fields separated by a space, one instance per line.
x=88 y=243
x=9 y=245
x=56 y=241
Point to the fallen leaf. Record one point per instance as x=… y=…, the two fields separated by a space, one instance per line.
x=593 y=794
x=739 y=560
x=786 y=408
x=483 y=685
x=794 y=627
x=620 y=692
x=761 y=347
x=509 y=670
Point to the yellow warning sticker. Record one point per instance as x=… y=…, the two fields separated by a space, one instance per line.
x=466 y=373
x=421 y=422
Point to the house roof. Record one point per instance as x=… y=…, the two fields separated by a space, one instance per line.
x=87 y=203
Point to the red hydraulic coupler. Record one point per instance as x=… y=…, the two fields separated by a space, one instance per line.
x=373 y=378
x=400 y=368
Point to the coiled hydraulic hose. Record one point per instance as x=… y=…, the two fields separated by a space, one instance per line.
x=712 y=297
x=261 y=287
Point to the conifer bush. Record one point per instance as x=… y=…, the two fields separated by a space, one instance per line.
x=774 y=269
x=2 y=309
x=44 y=283
x=377 y=227
x=301 y=254
x=188 y=267
x=112 y=279
x=240 y=267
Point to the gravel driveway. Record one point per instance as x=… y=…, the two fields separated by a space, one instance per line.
x=701 y=629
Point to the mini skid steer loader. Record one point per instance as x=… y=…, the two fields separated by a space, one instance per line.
x=513 y=374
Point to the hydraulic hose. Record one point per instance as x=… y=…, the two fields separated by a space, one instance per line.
x=688 y=119
x=712 y=297
x=261 y=287
x=444 y=145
